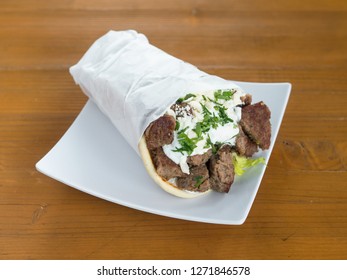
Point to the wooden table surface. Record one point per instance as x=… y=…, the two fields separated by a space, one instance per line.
x=300 y=211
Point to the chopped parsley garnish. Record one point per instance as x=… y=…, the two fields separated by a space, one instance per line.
x=198 y=130
x=224 y=94
x=209 y=143
x=182 y=130
x=215 y=102
x=224 y=119
x=189 y=95
x=177 y=127
x=215 y=147
x=187 y=144
x=205 y=110
x=198 y=181
x=210 y=119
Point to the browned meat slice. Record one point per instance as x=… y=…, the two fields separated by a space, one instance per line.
x=246 y=99
x=221 y=170
x=199 y=159
x=160 y=132
x=244 y=145
x=255 y=122
x=165 y=167
x=196 y=181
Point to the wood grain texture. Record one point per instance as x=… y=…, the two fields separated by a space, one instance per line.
x=300 y=211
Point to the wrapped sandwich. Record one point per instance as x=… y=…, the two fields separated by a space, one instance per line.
x=197 y=144
x=193 y=131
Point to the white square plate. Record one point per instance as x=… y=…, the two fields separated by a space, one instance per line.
x=93 y=157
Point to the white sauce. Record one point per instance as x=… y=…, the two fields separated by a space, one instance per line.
x=221 y=134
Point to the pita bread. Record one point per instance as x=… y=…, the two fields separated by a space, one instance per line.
x=164 y=184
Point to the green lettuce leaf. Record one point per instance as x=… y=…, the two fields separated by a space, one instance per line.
x=242 y=163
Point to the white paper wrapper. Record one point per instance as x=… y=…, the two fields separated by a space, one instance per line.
x=133 y=82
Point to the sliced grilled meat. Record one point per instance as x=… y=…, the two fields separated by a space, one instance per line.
x=221 y=170
x=196 y=181
x=199 y=159
x=244 y=145
x=160 y=132
x=165 y=167
x=255 y=122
